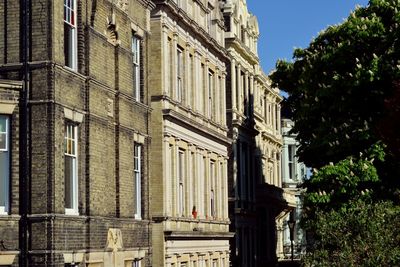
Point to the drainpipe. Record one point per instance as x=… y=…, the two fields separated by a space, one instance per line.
x=24 y=134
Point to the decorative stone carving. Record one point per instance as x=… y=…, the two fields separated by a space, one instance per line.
x=123 y=4
x=114 y=239
x=112 y=30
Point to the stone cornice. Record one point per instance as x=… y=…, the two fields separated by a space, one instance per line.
x=197 y=235
x=180 y=16
x=168 y=113
x=244 y=51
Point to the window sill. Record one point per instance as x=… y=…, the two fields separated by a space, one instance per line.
x=4 y=210
x=71 y=69
x=71 y=212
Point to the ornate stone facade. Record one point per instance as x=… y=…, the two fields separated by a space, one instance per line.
x=294 y=174
x=189 y=181
x=257 y=201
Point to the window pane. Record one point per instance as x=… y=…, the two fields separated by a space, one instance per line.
x=69 y=187
x=3 y=142
x=3 y=124
x=137 y=174
x=4 y=177
x=68 y=39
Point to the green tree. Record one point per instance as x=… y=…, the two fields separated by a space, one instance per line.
x=344 y=96
x=339 y=84
x=348 y=226
x=359 y=234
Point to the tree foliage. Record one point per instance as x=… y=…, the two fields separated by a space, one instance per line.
x=344 y=96
x=335 y=185
x=359 y=234
x=338 y=85
x=348 y=226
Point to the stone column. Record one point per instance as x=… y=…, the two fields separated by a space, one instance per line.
x=200 y=180
x=165 y=65
x=226 y=192
x=174 y=181
x=188 y=75
x=174 y=66
x=239 y=89
x=251 y=96
x=207 y=185
x=223 y=97
x=196 y=81
x=218 y=93
x=206 y=89
x=246 y=92
x=167 y=162
x=191 y=184
x=235 y=146
x=279 y=118
x=233 y=84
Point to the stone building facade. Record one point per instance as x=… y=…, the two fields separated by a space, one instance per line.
x=88 y=133
x=189 y=194
x=257 y=200
x=294 y=174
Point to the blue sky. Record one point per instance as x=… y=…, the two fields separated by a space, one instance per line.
x=285 y=24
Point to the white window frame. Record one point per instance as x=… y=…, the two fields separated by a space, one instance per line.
x=179 y=74
x=6 y=183
x=71 y=136
x=138 y=180
x=136 y=66
x=181 y=183
x=136 y=263
x=291 y=162
x=70 y=18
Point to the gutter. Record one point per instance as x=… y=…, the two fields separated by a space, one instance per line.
x=24 y=171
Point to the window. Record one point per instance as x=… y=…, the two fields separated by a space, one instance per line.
x=243 y=34
x=212 y=191
x=291 y=165
x=4 y=162
x=70 y=34
x=269 y=114
x=227 y=23
x=190 y=81
x=181 y=172
x=136 y=67
x=179 y=75
x=202 y=86
x=138 y=176
x=210 y=94
x=136 y=263
x=71 y=168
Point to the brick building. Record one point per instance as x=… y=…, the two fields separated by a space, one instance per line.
x=88 y=134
